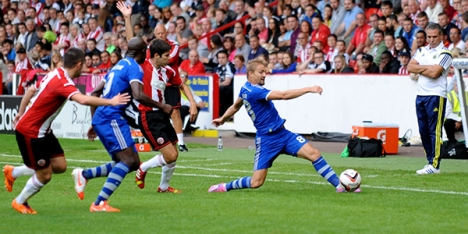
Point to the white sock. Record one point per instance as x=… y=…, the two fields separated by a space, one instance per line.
x=166 y=175
x=180 y=136
x=32 y=187
x=22 y=170
x=156 y=161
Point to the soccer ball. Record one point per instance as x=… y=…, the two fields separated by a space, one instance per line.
x=350 y=179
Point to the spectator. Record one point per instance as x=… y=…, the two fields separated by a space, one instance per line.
x=185 y=104
x=166 y=16
x=327 y=16
x=228 y=43
x=347 y=26
x=31 y=36
x=193 y=64
x=115 y=57
x=56 y=61
x=374 y=23
x=75 y=35
x=386 y=8
x=448 y=10
x=263 y=32
x=409 y=30
x=105 y=62
x=21 y=33
x=225 y=71
x=256 y=49
x=464 y=25
x=423 y=20
x=404 y=57
x=368 y=65
x=239 y=9
x=155 y=15
x=378 y=46
x=183 y=32
x=91 y=47
x=8 y=51
x=171 y=33
x=306 y=28
x=420 y=41
x=358 y=41
x=239 y=64
x=341 y=66
x=444 y=22
x=62 y=43
x=390 y=44
x=200 y=48
x=207 y=28
x=400 y=44
x=414 y=10
x=222 y=19
x=289 y=65
x=8 y=84
x=96 y=33
x=332 y=51
x=23 y=63
x=177 y=12
x=337 y=15
x=389 y=64
x=302 y=47
x=211 y=62
x=45 y=60
x=392 y=24
x=224 y=4
x=238 y=29
x=320 y=33
x=453 y=119
x=242 y=48
x=341 y=47
x=321 y=65
x=455 y=37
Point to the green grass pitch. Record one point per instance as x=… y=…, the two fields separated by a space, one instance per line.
x=294 y=198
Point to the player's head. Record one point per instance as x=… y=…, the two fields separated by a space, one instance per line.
x=73 y=61
x=159 y=52
x=160 y=32
x=256 y=71
x=137 y=49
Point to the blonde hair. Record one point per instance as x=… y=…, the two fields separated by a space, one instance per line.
x=253 y=64
x=343 y=60
x=55 y=65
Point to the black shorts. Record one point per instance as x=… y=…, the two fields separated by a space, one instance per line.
x=157 y=129
x=172 y=96
x=37 y=152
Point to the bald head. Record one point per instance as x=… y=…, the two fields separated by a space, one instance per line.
x=137 y=49
x=160 y=32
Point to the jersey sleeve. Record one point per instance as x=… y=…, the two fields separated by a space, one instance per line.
x=174 y=78
x=135 y=73
x=66 y=89
x=259 y=93
x=444 y=59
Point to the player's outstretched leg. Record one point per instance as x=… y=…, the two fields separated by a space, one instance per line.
x=11 y=173
x=156 y=161
x=81 y=176
x=20 y=203
x=114 y=179
x=242 y=183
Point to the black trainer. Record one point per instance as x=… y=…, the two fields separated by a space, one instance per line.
x=183 y=148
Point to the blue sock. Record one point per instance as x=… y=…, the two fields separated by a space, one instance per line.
x=241 y=183
x=99 y=171
x=326 y=171
x=116 y=175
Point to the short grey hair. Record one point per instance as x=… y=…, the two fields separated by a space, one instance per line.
x=434 y=26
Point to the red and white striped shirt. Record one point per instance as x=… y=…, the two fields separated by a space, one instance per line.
x=173 y=56
x=75 y=40
x=63 y=39
x=155 y=82
x=52 y=92
x=39 y=6
x=403 y=71
x=23 y=65
x=97 y=35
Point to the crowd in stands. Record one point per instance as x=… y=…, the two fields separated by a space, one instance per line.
x=294 y=36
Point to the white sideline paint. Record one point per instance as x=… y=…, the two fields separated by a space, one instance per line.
x=243 y=171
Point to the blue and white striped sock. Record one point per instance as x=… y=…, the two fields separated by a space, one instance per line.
x=99 y=171
x=241 y=183
x=326 y=171
x=113 y=181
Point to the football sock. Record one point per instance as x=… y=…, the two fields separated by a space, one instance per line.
x=180 y=137
x=99 y=171
x=22 y=170
x=241 y=183
x=32 y=187
x=156 y=161
x=166 y=175
x=116 y=175
x=326 y=171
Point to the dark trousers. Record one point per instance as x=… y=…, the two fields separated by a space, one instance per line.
x=226 y=98
x=449 y=127
x=431 y=112
x=185 y=111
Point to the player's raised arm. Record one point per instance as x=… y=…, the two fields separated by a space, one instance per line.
x=293 y=93
x=229 y=112
x=120 y=99
x=127 y=14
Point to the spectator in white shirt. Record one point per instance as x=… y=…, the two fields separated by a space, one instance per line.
x=455 y=37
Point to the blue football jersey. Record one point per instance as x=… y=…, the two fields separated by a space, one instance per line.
x=117 y=81
x=262 y=111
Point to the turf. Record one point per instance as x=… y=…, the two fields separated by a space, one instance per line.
x=293 y=200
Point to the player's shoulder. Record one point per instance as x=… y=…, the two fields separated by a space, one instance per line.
x=172 y=43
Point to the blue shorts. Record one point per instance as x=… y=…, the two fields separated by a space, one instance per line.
x=270 y=146
x=114 y=134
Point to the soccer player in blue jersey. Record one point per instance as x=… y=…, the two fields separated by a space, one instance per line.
x=272 y=137
x=113 y=130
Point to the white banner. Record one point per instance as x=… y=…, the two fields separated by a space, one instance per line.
x=73 y=121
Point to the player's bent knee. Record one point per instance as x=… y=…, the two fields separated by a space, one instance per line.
x=171 y=157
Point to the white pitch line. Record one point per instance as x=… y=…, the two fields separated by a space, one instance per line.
x=273 y=180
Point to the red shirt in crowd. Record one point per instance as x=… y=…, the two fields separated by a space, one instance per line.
x=198 y=68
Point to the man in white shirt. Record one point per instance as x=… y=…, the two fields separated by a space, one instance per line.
x=432 y=63
x=455 y=37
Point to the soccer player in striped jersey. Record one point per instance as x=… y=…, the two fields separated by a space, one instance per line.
x=40 y=105
x=158 y=74
x=272 y=138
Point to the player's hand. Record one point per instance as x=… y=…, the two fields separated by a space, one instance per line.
x=91 y=134
x=316 y=89
x=217 y=122
x=167 y=109
x=120 y=99
x=193 y=112
x=126 y=10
